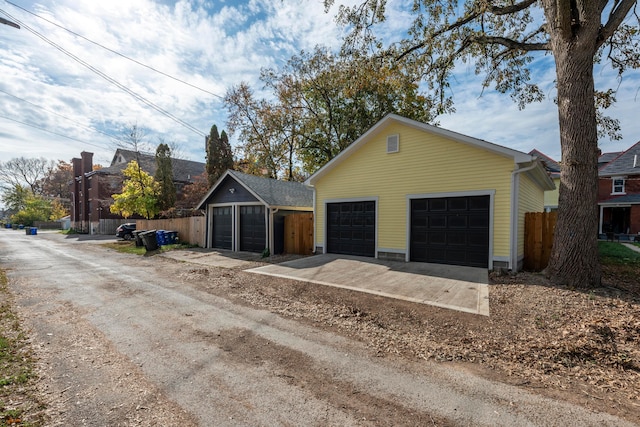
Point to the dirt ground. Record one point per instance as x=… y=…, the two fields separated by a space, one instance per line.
x=581 y=347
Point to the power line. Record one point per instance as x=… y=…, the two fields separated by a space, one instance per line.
x=116 y=52
x=108 y=78
x=60 y=115
x=52 y=132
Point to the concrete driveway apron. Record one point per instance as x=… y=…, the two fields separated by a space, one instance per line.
x=449 y=286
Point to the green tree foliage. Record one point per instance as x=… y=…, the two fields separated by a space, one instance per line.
x=139 y=194
x=36 y=208
x=164 y=178
x=15 y=198
x=504 y=38
x=321 y=103
x=219 y=155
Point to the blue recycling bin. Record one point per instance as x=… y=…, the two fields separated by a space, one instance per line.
x=34 y=231
x=161 y=237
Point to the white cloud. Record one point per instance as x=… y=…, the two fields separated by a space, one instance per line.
x=212 y=45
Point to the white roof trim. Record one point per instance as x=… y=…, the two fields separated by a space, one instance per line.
x=517 y=156
x=219 y=181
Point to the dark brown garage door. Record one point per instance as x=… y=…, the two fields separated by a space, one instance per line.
x=351 y=228
x=451 y=230
x=252 y=229
x=222 y=221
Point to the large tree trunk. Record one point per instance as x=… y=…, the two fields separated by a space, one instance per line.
x=574 y=257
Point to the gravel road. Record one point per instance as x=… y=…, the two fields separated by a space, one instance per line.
x=128 y=340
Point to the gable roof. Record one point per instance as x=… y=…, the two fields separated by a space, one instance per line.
x=272 y=192
x=183 y=170
x=550 y=165
x=605 y=158
x=517 y=156
x=627 y=163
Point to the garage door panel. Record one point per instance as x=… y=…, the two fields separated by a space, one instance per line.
x=252 y=228
x=450 y=230
x=351 y=228
x=458 y=221
x=222 y=228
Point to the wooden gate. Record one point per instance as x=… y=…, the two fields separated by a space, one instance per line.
x=538 y=239
x=298 y=233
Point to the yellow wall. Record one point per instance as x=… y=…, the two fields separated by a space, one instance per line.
x=425 y=164
x=531 y=200
x=551 y=196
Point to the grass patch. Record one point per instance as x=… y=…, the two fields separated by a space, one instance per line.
x=16 y=376
x=129 y=247
x=613 y=253
x=69 y=231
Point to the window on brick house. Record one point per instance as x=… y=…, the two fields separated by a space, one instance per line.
x=618 y=185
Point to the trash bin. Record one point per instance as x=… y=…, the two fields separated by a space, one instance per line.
x=137 y=235
x=161 y=237
x=34 y=231
x=172 y=237
x=27 y=231
x=149 y=240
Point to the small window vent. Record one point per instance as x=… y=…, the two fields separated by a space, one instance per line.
x=393 y=144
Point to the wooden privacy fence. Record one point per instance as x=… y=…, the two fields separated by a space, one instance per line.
x=190 y=230
x=298 y=233
x=538 y=239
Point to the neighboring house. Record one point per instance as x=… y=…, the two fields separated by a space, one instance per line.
x=91 y=190
x=553 y=168
x=410 y=191
x=619 y=193
x=246 y=212
x=605 y=158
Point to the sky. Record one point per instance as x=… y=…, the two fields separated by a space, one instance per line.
x=55 y=106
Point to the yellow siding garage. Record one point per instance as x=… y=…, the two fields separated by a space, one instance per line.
x=428 y=163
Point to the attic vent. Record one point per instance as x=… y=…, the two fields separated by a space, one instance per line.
x=393 y=144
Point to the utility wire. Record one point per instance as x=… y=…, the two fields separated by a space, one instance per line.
x=60 y=115
x=52 y=132
x=116 y=52
x=108 y=78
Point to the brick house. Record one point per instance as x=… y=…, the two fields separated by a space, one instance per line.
x=91 y=190
x=619 y=193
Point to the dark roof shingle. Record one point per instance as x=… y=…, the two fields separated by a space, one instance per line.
x=275 y=192
x=627 y=163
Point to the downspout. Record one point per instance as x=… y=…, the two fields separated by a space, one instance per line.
x=515 y=196
x=313 y=251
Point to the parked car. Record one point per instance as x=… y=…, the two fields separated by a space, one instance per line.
x=126 y=230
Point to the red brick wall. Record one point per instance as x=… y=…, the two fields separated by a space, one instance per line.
x=604 y=188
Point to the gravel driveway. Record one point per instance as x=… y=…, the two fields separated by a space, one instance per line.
x=126 y=340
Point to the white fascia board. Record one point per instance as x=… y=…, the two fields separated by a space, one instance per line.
x=517 y=156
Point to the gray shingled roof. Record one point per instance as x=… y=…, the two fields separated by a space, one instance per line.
x=624 y=163
x=605 y=158
x=275 y=192
x=183 y=170
x=552 y=167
